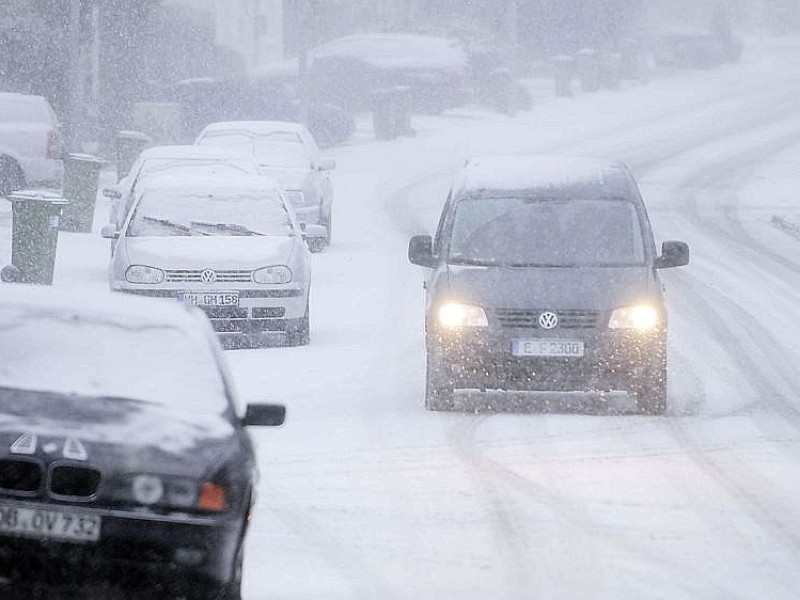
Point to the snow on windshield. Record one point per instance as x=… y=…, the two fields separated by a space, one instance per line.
x=190 y=211
x=109 y=357
x=524 y=232
x=182 y=166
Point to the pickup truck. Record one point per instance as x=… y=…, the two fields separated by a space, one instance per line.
x=29 y=143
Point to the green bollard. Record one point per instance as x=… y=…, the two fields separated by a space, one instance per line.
x=36 y=218
x=128 y=147
x=81 y=173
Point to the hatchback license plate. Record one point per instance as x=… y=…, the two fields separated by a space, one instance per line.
x=215 y=299
x=49 y=524
x=550 y=348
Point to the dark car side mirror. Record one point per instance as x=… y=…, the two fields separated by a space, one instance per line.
x=673 y=254
x=264 y=415
x=420 y=251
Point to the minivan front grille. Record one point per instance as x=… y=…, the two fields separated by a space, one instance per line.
x=21 y=476
x=196 y=276
x=567 y=319
x=74 y=482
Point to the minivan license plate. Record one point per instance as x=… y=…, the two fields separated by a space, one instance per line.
x=215 y=299
x=552 y=348
x=48 y=524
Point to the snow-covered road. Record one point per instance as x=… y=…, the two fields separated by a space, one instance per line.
x=365 y=495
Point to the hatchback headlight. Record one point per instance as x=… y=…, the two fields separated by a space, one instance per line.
x=642 y=317
x=143 y=274
x=454 y=314
x=276 y=274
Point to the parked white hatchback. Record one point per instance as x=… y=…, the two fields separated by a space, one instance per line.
x=232 y=247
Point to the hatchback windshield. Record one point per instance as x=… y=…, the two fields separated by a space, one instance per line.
x=210 y=212
x=550 y=233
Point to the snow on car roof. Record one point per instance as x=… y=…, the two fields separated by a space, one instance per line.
x=392 y=50
x=530 y=173
x=256 y=126
x=244 y=182
x=188 y=151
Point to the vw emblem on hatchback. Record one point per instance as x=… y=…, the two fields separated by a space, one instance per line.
x=208 y=276
x=548 y=320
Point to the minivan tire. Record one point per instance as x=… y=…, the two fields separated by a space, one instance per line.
x=651 y=391
x=439 y=386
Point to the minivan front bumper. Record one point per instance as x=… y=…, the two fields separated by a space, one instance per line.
x=482 y=359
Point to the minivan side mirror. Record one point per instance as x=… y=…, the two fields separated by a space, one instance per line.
x=264 y=415
x=673 y=254
x=420 y=251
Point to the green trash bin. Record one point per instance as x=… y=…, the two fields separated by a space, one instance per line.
x=128 y=147
x=34 y=238
x=81 y=174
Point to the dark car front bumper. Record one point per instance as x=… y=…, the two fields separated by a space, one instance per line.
x=483 y=359
x=134 y=549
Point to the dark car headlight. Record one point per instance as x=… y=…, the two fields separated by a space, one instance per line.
x=171 y=492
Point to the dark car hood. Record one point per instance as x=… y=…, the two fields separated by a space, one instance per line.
x=116 y=434
x=556 y=288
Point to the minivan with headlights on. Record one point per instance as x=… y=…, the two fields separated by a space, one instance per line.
x=233 y=247
x=545 y=278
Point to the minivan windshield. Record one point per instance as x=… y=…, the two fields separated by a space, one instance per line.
x=525 y=232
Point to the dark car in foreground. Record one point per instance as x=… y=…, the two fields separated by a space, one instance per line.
x=545 y=278
x=124 y=455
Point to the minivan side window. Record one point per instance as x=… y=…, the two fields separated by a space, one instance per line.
x=438 y=242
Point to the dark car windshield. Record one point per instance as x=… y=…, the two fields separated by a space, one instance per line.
x=546 y=232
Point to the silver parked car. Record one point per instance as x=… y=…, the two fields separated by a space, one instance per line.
x=287 y=152
x=233 y=248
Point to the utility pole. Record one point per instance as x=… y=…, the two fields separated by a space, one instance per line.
x=302 y=30
x=73 y=130
x=512 y=52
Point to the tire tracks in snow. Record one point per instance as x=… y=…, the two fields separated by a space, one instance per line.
x=707 y=303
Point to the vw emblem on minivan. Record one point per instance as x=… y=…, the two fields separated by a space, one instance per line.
x=548 y=320
x=208 y=276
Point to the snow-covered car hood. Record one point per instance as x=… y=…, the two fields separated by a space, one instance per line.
x=290 y=179
x=563 y=288
x=127 y=434
x=209 y=252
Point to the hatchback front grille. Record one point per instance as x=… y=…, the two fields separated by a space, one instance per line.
x=196 y=276
x=74 y=482
x=567 y=319
x=225 y=312
x=20 y=476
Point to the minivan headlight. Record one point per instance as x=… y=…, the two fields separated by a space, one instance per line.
x=144 y=274
x=454 y=314
x=276 y=274
x=642 y=317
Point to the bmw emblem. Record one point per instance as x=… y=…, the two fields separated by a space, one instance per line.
x=548 y=320
x=208 y=276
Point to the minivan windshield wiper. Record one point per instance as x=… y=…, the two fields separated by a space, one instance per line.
x=173 y=225
x=228 y=227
